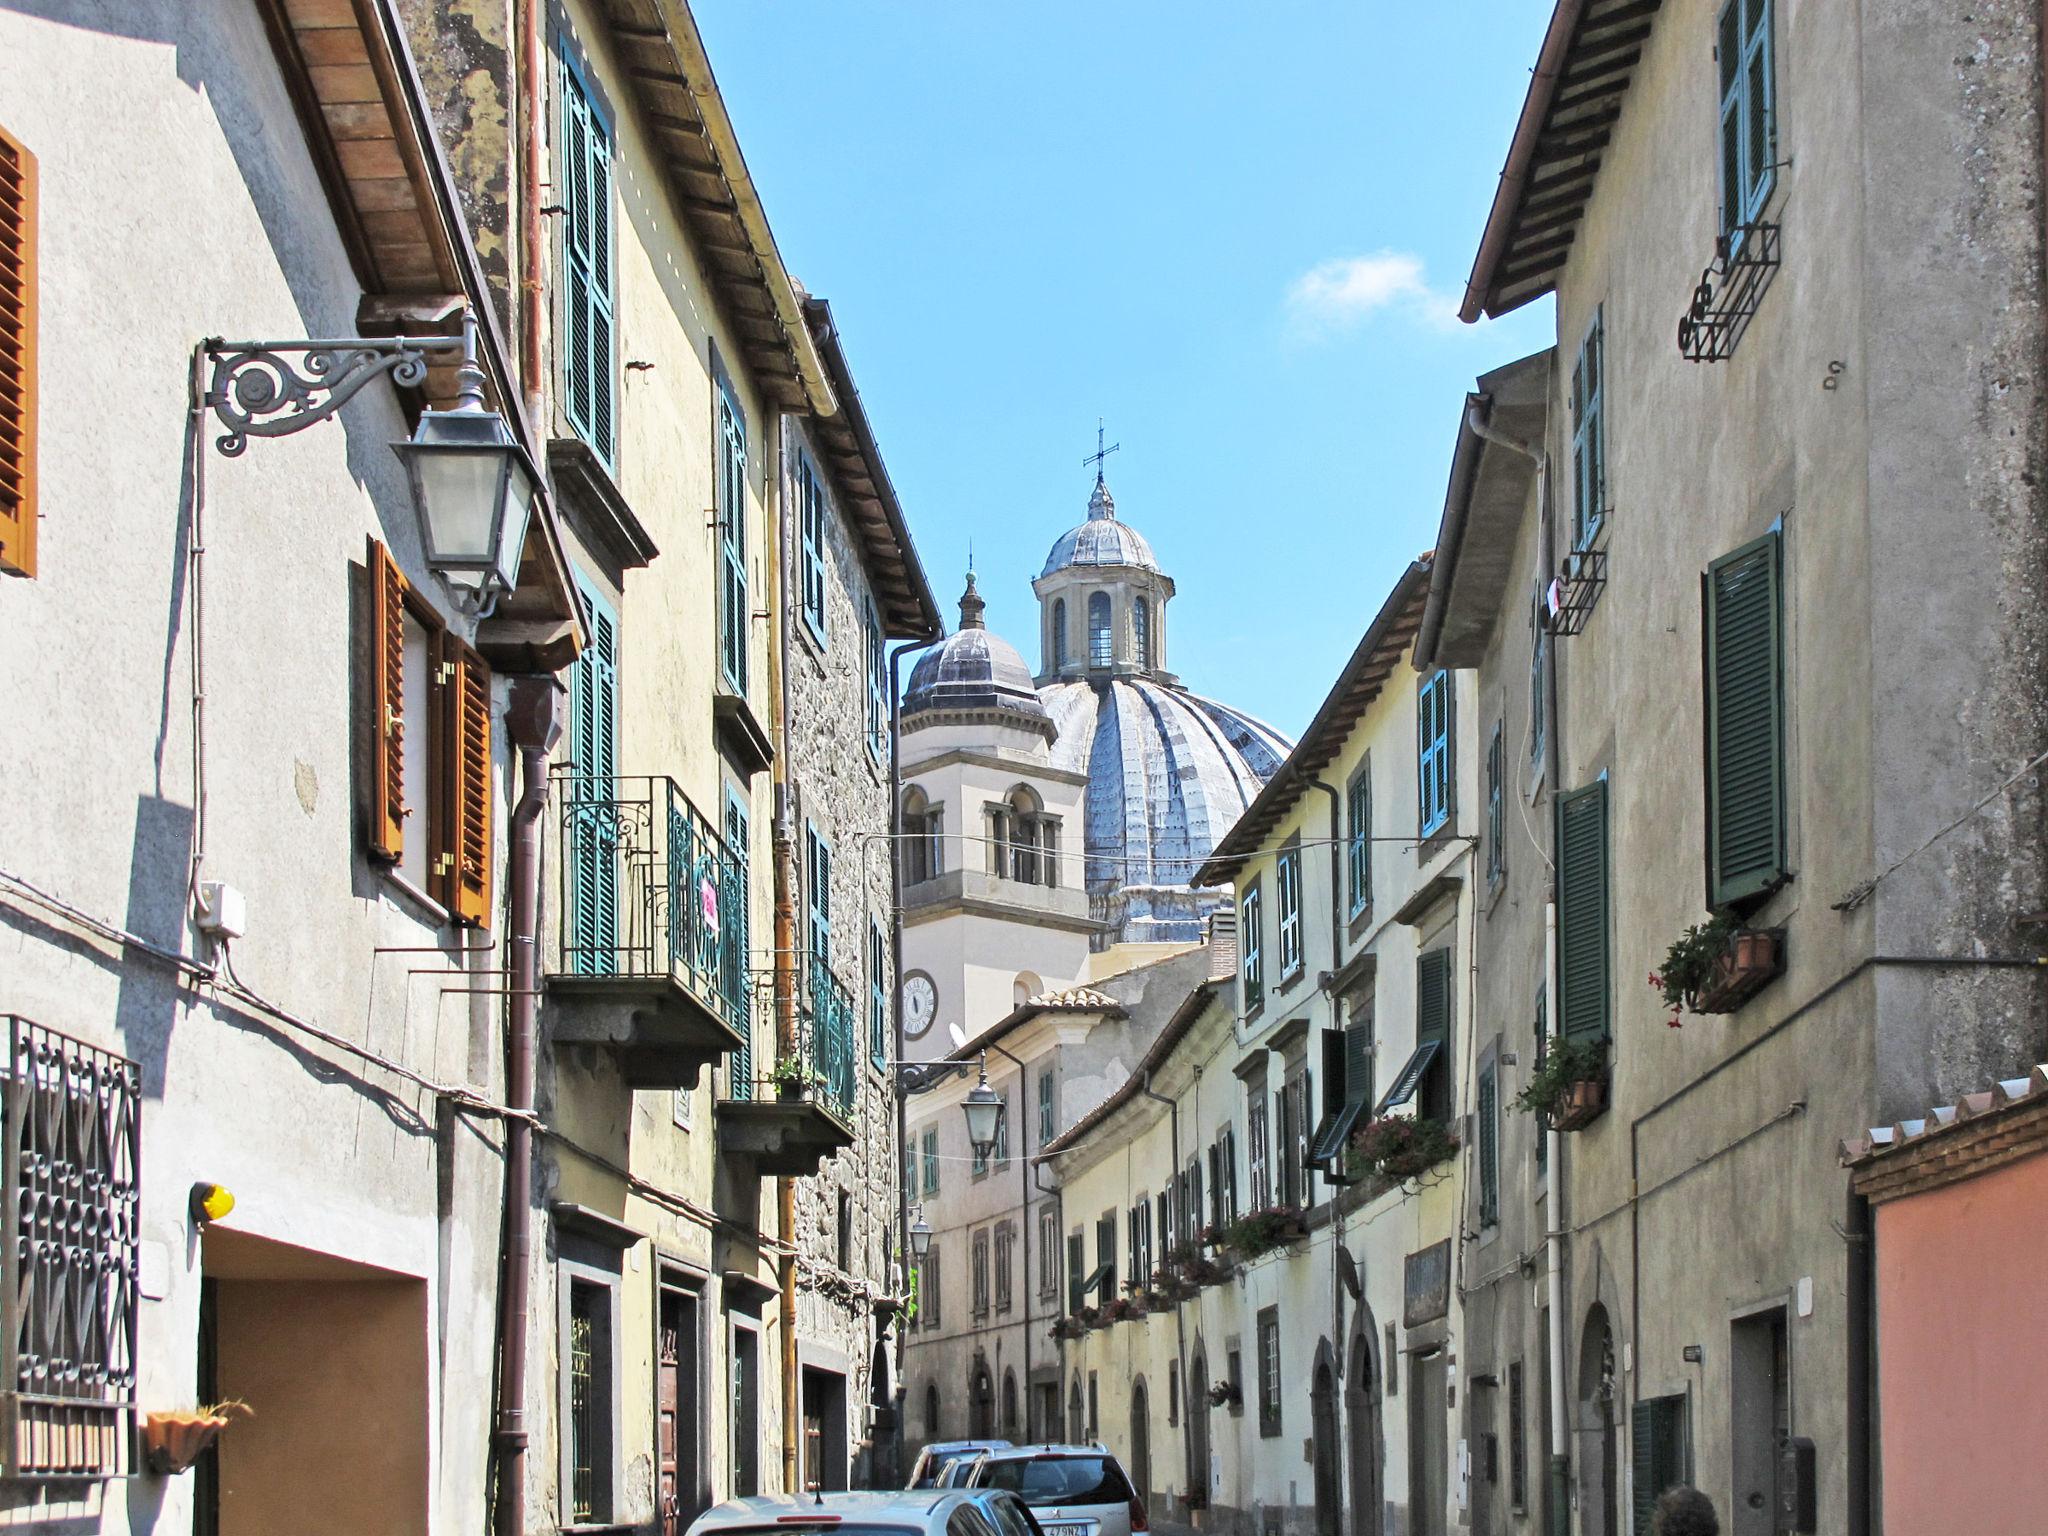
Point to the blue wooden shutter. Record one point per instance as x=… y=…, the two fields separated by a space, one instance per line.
x=734 y=618
x=592 y=853
x=586 y=169
x=1589 y=434
x=1582 y=916
x=1744 y=665
x=1749 y=129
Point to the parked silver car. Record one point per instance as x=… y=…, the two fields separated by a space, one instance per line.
x=909 y=1512
x=1073 y=1490
x=933 y=1460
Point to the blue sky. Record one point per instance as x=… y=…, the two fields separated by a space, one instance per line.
x=1236 y=233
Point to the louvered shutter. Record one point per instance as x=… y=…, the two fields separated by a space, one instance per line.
x=386 y=810
x=585 y=168
x=1433 y=1023
x=1488 y=1110
x=1357 y=1065
x=593 y=850
x=731 y=493
x=17 y=357
x=466 y=755
x=1582 y=918
x=1744 y=667
x=1657 y=1453
x=734 y=911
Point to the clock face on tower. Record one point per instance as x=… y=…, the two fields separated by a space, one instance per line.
x=920 y=1004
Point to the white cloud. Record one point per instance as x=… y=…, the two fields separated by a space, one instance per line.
x=1340 y=294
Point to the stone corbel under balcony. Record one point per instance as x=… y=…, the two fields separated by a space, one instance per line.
x=781 y=1138
x=660 y=1032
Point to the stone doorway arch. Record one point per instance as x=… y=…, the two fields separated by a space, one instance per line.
x=1328 y=1476
x=1599 y=1470
x=1364 y=1440
x=1141 y=1441
x=1198 y=1430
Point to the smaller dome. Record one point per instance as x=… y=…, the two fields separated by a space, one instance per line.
x=1102 y=540
x=973 y=668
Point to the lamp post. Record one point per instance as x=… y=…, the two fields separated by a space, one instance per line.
x=920 y=1236
x=473 y=484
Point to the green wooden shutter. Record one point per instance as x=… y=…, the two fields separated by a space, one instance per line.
x=1358 y=1064
x=586 y=171
x=1744 y=665
x=1582 y=902
x=734 y=618
x=1433 y=1022
x=1489 y=1147
x=1658 y=1453
x=591 y=857
x=740 y=1072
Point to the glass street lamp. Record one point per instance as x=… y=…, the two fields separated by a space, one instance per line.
x=920 y=1236
x=473 y=488
x=984 y=1110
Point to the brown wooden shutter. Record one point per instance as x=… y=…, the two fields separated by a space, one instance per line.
x=385 y=818
x=466 y=755
x=17 y=357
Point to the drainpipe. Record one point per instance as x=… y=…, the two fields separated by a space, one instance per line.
x=896 y=1013
x=528 y=110
x=1189 y=1408
x=1330 y=986
x=787 y=1043
x=1861 y=1409
x=1554 y=1229
x=534 y=725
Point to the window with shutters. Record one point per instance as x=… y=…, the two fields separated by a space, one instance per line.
x=1287 y=882
x=818 y=882
x=1589 y=435
x=1269 y=1373
x=1255 y=1141
x=1048 y=1255
x=878 y=685
x=1542 y=1051
x=1434 y=767
x=429 y=795
x=1251 y=939
x=1347 y=1090
x=878 y=996
x=812 y=510
x=735 y=619
x=1496 y=772
x=1749 y=112
x=740 y=1064
x=1518 y=1434
x=19 y=296
x=978 y=1271
x=1225 y=1178
x=1077 y=1271
x=1105 y=1256
x=1539 y=650
x=930 y=1291
x=1358 y=847
x=1435 y=1095
x=1745 y=690
x=1047 y=1114
x=1582 y=913
x=1486 y=1115
x=591 y=853
x=1660 y=1442
x=931 y=1161
x=583 y=170
x=999 y=1149
x=1005 y=1259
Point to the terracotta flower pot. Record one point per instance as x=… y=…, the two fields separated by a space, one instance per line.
x=1583 y=1103
x=1754 y=958
x=172 y=1442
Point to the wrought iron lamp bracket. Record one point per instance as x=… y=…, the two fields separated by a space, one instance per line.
x=275 y=388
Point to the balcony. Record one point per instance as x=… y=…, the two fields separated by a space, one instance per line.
x=653 y=928
x=787 y=1120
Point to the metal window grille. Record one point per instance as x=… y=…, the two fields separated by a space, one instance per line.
x=69 y=1231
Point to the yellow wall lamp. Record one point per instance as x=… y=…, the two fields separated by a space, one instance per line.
x=210 y=1202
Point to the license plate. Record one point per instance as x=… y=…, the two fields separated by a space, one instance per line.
x=1068 y=1527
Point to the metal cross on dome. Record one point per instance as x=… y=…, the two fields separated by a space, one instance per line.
x=1100 y=452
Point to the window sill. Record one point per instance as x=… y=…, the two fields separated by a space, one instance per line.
x=1290 y=979
x=425 y=905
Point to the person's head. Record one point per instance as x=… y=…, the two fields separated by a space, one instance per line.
x=1684 y=1512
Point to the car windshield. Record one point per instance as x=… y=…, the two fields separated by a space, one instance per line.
x=1044 y=1480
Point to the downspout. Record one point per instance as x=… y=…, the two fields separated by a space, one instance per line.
x=1330 y=987
x=787 y=1044
x=528 y=94
x=1554 y=1228
x=532 y=721
x=896 y=1013
x=1059 y=1219
x=1180 y=1318
x=1859 y=1404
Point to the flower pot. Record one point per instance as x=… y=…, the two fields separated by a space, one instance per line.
x=789 y=1093
x=172 y=1442
x=1754 y=958
x=1583 y=1103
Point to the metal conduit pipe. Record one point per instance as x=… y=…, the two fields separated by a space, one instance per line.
x=534 y=724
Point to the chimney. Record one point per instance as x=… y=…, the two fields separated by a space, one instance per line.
x=1223 y=943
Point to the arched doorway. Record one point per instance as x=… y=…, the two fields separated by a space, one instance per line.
x=1322 y=1412
x=1010 y=1405
x=1598 y=1449
x=981 y=1404
x=1198 y=1431
x=1141 y=1441
x=1362 y=1396
x=1077 y=1423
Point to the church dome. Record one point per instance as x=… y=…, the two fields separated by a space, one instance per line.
x=1169 y=772
x=974 y=668
x=1101 y=540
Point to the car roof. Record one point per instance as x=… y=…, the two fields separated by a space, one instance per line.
x=783 y=1508
x=1028 y=1452
x=942 y=1446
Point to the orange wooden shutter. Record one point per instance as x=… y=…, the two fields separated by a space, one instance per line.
x=17 y=357
x=386 y=693
x=467 y=754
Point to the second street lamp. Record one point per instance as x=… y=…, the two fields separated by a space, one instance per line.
x=920 y=1236
x=983 y=1107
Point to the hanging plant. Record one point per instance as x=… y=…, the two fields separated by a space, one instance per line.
x=1400 y=1147
x=1259 y=1232
x=1224 y=1394
x=173 y=1441
x=1567 y=1064
x=791 y=1077
x=1689 y=963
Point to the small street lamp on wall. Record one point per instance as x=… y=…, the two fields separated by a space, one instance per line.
x=983 y=1107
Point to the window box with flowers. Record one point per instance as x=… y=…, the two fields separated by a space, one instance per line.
x=1260 y=1232
x=1397 y=1148
x=1093 y=1317
x=1124 y=1309
x=1067 y=1328
x=1717 y=966
x=1569 y=1089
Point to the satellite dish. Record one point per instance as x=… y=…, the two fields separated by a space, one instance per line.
x=959 y=1035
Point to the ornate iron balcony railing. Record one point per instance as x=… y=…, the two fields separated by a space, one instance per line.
x=649 y=888
x=824 y=1068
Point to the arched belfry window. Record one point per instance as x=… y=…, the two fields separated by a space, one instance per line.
x=1059 y=633
x=1023 y=841
x=1099 y=651
x=923 y=847
x=1141 y=631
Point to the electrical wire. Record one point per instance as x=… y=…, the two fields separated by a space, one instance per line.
x=1857 y=895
